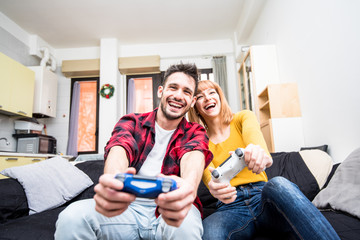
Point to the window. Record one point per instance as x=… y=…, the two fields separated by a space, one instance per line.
x=206 y=74
x=142 y=92
x=84 y=115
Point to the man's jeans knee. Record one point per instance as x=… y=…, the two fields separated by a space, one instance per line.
x=80 y=220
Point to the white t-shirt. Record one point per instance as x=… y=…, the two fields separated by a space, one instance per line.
x=152 y=165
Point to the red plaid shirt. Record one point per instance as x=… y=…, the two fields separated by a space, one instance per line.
x=136 y=134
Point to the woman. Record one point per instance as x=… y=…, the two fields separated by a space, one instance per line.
x=250 y=203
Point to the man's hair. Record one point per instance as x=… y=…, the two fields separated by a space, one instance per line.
x=188 y=69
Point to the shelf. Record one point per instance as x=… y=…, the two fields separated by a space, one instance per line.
x=278 y=102
x=265 y=106
x=264 y=124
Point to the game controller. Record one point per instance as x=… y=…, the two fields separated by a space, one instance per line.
x=230 y=167
x=144 y=186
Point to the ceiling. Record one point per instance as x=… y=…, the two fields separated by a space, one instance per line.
x=82 y=23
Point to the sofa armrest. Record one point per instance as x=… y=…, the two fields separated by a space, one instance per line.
x=13 y=201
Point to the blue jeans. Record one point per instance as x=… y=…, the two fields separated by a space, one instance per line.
x=81 y=221
x=273 y=208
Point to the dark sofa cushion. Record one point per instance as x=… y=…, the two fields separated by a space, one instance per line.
x=13 y=201
x=33 y=227
x=322 y=148
x=291 y=166
x=206 y=199
x=345 y=225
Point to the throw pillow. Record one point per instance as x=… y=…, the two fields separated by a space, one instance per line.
x=319 y=163
x=343 y=192
x=322 y=148
x=50 y=183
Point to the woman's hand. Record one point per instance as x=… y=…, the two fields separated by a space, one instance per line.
x=222 y=191
x=256 y=158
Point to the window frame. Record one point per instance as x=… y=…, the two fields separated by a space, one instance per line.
x=97 y=79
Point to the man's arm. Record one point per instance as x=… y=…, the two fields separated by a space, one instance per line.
x=116 y=160
x=192 y=167
x=174 y=206
x=109 y=201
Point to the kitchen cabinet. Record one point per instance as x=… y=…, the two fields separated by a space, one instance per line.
x=45 y=95
x=16 y=87
x=280 y=117
x=14 y=161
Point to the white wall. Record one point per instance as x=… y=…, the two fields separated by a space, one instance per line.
x=199 y=53
x=318 y=47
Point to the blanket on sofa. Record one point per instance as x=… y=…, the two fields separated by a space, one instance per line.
x=343 y=191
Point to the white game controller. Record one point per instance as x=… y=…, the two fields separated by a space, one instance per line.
x=230 y=167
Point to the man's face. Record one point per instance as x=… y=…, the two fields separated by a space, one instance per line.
x=177 y=96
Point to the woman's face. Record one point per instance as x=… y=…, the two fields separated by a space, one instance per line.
x=208 y=103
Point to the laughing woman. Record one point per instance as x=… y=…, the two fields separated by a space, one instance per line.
x=250 y=203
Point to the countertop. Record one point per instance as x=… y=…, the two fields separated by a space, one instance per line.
x=16 y=154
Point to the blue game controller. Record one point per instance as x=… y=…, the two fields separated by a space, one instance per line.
x=144 y=186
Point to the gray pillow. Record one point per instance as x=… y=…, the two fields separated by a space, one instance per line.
x=343 y=191
x=50 y=183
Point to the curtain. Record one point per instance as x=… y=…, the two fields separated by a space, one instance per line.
x=220 y=73
x=73 y=126
x=131 y=96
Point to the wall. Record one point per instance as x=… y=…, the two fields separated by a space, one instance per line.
x=15 y=43
x=318 y=47
x=196 y=52
x=17 y=50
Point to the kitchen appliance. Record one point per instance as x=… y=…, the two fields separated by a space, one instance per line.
x=23 y=127
x=35 y=143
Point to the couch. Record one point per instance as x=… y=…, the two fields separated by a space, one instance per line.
x=16 y=223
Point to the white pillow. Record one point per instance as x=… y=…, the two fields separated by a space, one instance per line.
x=319 y=163
x=50 y=183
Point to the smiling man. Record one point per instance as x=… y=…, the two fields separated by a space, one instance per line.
x=149 y=144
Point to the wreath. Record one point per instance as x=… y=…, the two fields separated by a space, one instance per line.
x=107 y=90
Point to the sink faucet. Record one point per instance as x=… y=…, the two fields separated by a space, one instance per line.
x=6 y=141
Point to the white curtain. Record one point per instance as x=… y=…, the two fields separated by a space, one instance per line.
x=220 y=73
x=72 y=149
x=131 y=100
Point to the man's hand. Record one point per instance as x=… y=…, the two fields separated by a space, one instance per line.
x=256 y=158
x=109 y=201
x=175 y=205
x=222 y=191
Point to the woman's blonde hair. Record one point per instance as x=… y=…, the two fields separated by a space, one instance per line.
x=225 y=113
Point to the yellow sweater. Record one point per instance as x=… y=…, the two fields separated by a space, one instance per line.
x=244 y=129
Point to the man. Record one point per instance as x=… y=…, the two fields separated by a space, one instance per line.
x=163 y=142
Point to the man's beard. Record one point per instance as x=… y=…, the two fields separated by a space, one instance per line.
x=169 y=116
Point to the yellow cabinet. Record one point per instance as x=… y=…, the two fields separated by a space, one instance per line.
x=5 y=83
x=14 y=161
x=16 y=87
